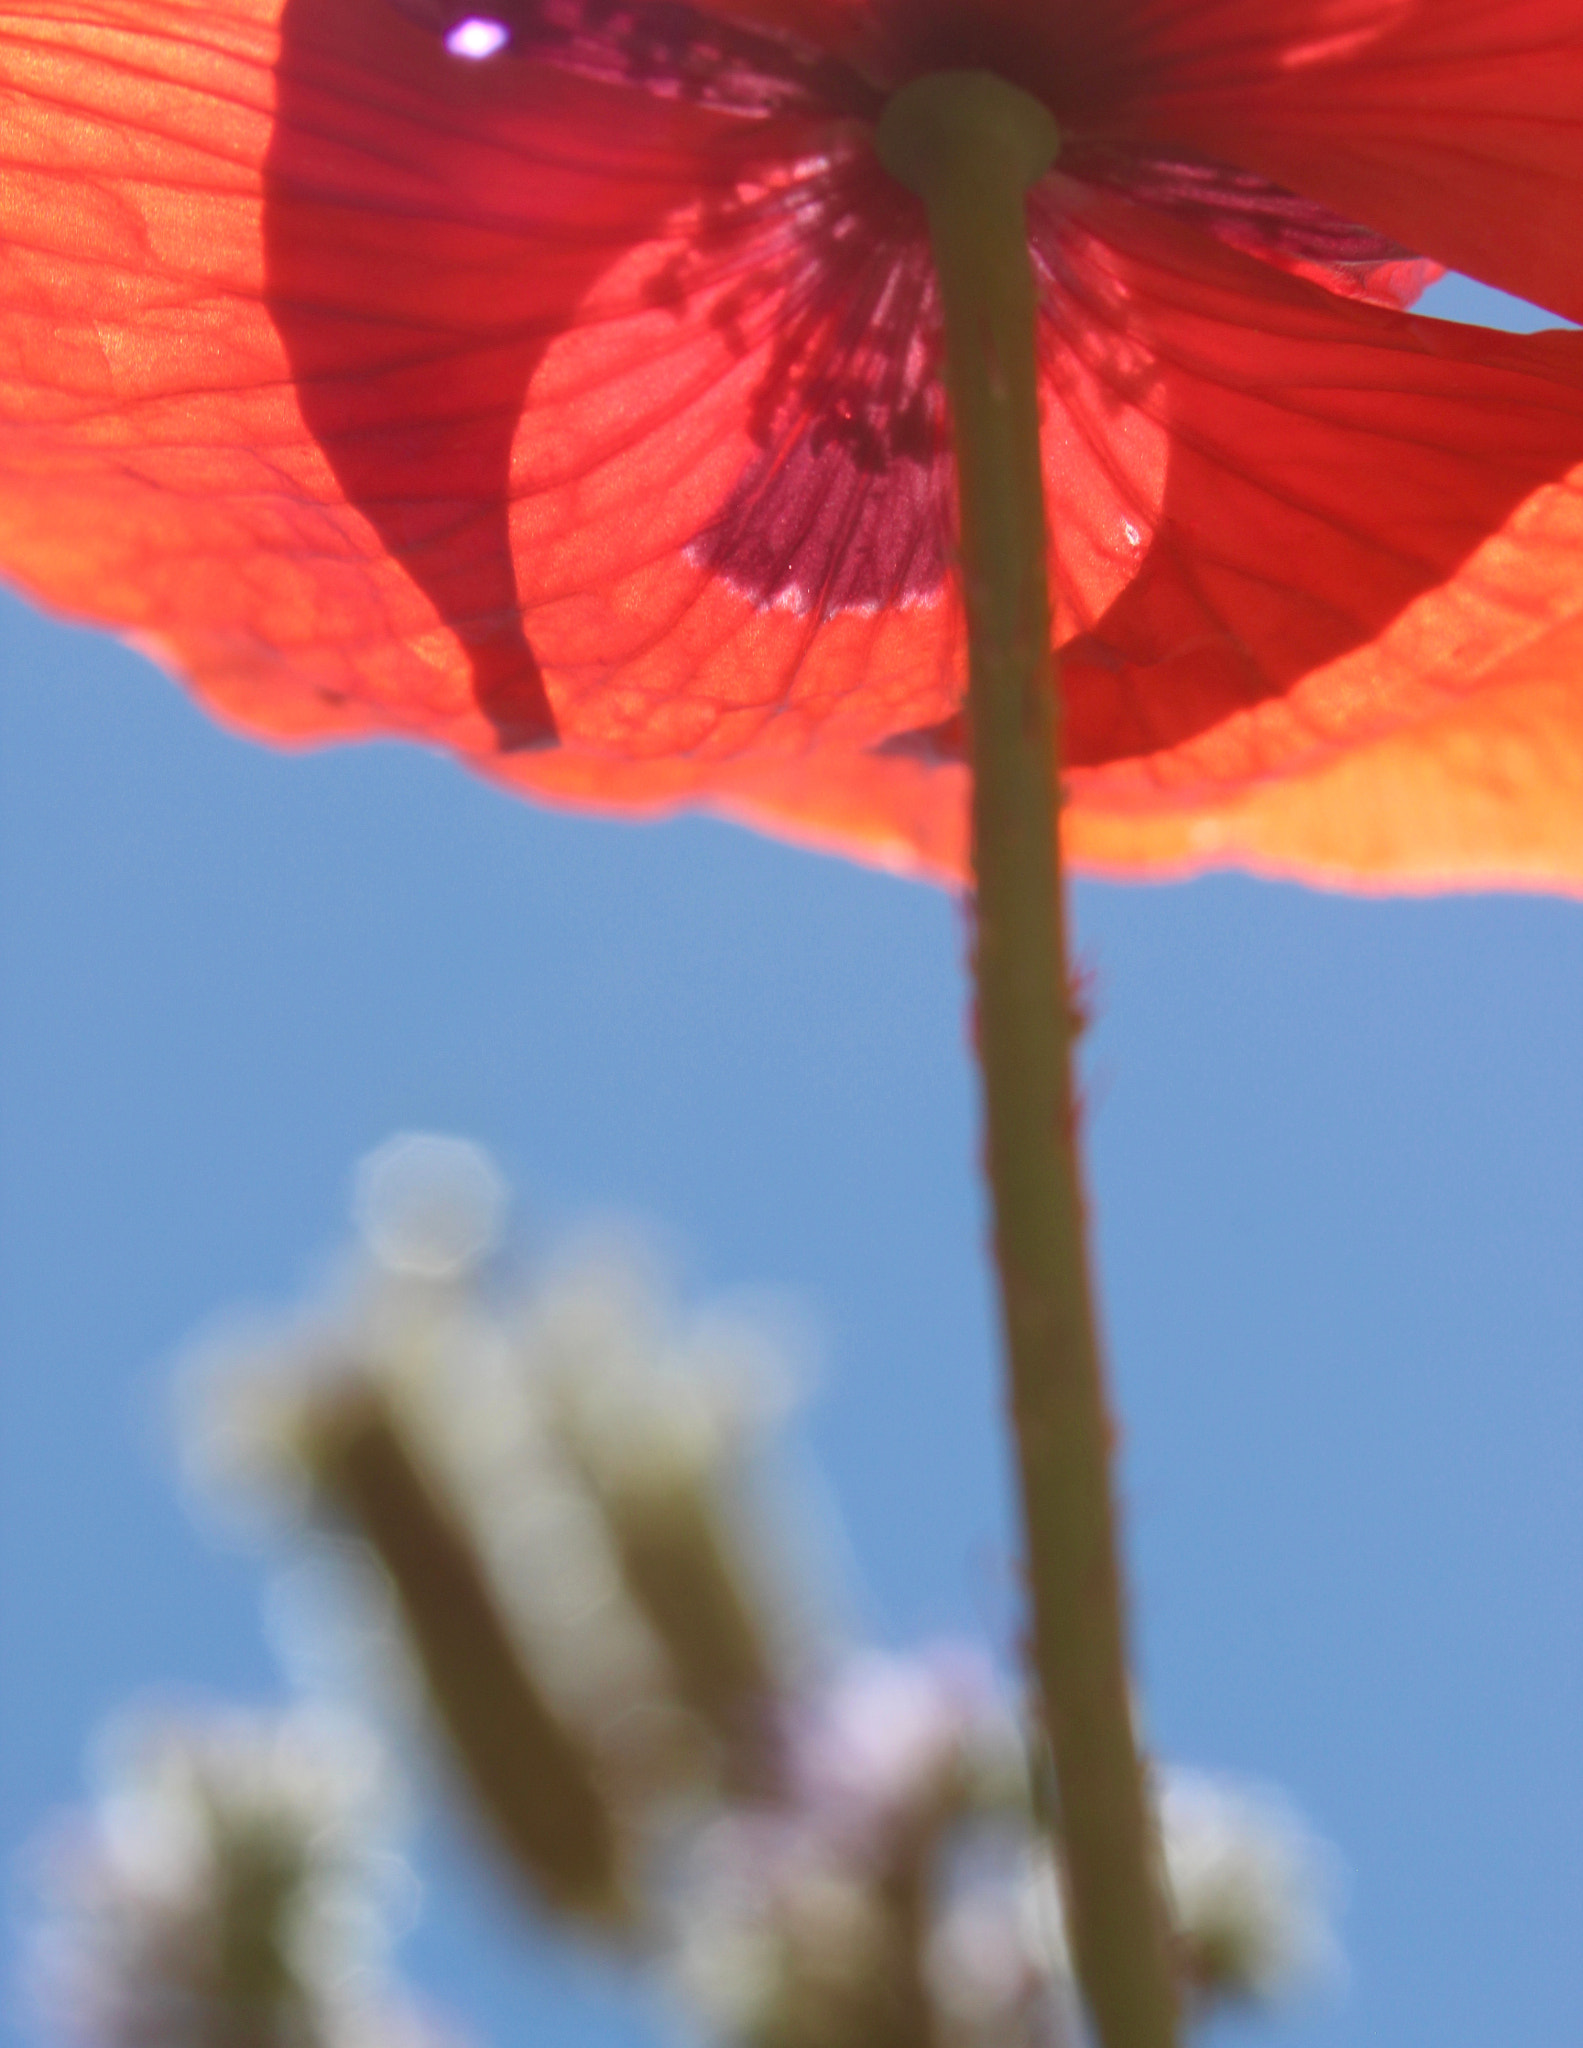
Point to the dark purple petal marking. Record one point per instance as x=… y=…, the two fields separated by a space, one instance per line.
x=663 y=47
x=809 y=530
x=848 y=504
x=1242 y=209
x=848 y=507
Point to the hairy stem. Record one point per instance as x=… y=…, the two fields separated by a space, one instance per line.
x=970 y=144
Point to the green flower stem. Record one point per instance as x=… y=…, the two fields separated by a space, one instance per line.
x=970 y=145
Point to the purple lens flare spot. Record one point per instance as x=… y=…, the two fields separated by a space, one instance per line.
x=476 y=37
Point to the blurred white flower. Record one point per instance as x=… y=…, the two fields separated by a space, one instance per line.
x=233 y=1888
x=850 y=1861
x=904 y=1862
x=592 y=1447
x=997 y=1960
x=892 y=1736
x=430 y=1206
x=1252 y=1889
x=781 y=1937
x=821 y=1920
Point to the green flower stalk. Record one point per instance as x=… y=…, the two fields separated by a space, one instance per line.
x=970 y=145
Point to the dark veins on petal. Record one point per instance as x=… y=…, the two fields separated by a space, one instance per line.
x=418 y=425
x=847 y=508
x=847 y=505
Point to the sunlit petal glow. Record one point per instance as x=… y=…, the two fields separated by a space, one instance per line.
x=581 y=413
x=477 y=37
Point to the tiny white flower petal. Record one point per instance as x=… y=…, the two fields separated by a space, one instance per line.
x=429 y=1206
x=1251 y=1886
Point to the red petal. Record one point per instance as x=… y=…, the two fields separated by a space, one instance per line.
x=1364 y=529
x=1334 y=467
x=635 y=430
x=295 y=477
x=1367 y=564
x=1455 y=126
x=263 y=375
x=1487 y=795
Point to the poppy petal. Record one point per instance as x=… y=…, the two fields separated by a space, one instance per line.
x=1342 y=479
x=1454 y=126
x=1367 y=560
x=695 y=583
x=381 y=394
x=272 y=292
x=1489 y=795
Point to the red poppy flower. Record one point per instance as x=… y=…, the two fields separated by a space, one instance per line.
x=557 y=380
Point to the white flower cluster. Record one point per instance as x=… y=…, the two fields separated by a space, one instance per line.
x=905 y=1870
x=1251 y=1888
x=231 y=1889
x=854 y=1912
x=550 y=1421
x=566 y=1467
x=599 y=1608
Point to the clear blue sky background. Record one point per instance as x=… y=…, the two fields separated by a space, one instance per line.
x=1337 y=1149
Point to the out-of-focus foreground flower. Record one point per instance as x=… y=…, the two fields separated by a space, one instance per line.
x=557 y=380
x=231 y=1890
x=572 y=1576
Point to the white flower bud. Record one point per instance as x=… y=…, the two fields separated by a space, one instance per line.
x=1249 y=1886
x=233 y=1889
x=430 y=1207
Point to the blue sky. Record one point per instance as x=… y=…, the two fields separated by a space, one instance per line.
x=1337 y=1153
